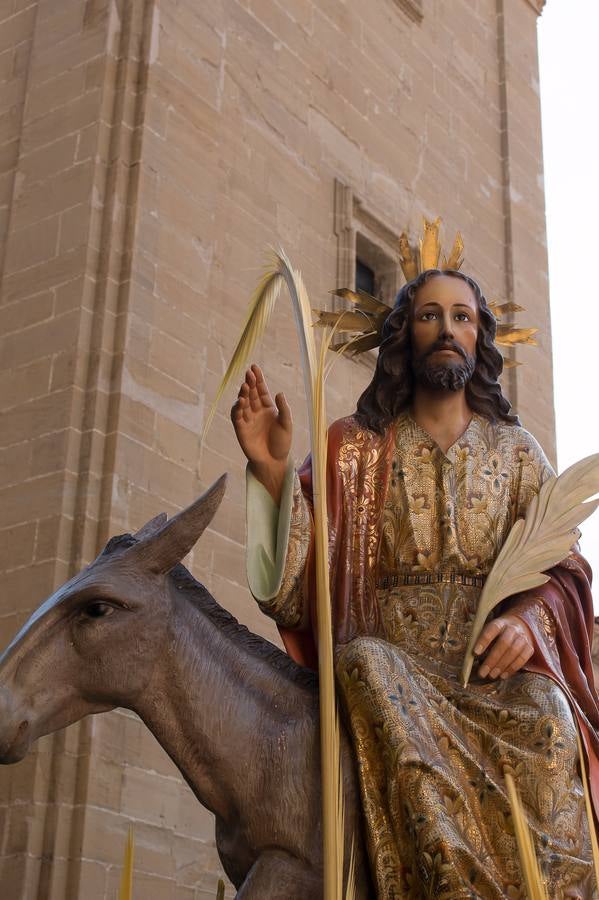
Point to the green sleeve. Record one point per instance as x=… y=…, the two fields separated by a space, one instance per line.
x=267 y=535
x=278 y=541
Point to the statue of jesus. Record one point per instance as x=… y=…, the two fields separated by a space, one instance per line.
x=424 y=482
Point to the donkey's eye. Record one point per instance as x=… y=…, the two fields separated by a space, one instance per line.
x=98 y=610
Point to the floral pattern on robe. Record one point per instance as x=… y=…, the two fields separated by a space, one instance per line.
x=431 y=754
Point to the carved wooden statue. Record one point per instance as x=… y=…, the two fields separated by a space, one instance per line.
x=237 y=716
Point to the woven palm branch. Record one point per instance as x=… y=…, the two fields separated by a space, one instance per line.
x=539 y=541
x=314 y=366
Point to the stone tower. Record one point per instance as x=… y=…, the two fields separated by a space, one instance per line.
x=150 y=151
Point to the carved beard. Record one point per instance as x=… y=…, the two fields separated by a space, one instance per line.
x=449 y=376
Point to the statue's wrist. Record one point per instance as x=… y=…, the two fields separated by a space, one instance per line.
x=271 y=475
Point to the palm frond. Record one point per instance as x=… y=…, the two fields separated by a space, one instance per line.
x=126 y=887
x=260 y=310
x=314 y=368
x=220 y=890
x=535 y=886
x=539 y=541
x=332 y=799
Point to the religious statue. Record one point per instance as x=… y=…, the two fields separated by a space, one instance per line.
x=424 y=482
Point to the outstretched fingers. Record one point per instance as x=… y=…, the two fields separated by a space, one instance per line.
x=259 y=394
x=241 y=405
x=253 y=396
x=284 y=411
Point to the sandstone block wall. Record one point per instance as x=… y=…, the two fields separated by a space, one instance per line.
x=150 y=151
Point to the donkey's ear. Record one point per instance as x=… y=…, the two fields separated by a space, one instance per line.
x=167 y=546
x=151 y=527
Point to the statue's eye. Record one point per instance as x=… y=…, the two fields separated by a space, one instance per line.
x=98 y=610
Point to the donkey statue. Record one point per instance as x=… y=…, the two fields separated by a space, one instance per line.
x=236 y=715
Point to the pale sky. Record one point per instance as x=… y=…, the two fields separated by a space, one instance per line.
x=569 y=62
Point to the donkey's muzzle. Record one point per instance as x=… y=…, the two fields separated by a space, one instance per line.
x=14 y=730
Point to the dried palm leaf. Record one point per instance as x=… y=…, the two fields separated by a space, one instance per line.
x=535 y=886
x=332 y=797
x=126 y=887
x=539 y=541
x=262 y=304
x=351 y=886
x=313 y=370
x=220 y=890
x=589 y=806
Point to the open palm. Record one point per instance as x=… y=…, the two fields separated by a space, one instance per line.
x=263 y=427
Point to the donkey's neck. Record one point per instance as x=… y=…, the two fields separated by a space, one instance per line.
x=219 y=698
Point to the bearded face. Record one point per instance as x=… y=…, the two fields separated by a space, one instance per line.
x=440 y=325
x=446 y=366
x=443 y=332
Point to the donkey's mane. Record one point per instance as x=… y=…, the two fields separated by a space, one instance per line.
x=197 y=594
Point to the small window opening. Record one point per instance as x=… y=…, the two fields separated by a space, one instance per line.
x=365 y=279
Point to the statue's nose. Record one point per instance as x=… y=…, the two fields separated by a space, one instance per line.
x=14 y=729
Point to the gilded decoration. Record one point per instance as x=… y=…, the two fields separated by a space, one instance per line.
x=431 y=754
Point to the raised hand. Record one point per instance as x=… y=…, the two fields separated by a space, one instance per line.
x=511 y=646
x=264 y=430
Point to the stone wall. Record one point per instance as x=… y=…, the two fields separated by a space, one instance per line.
x=151 y=151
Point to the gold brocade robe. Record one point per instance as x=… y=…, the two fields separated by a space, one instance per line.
x=431 y=754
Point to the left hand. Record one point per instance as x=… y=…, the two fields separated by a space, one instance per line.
x=511 y=648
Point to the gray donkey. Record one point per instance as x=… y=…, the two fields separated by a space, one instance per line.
x=236 y=715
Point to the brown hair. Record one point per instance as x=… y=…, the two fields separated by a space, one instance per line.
x=390 y=391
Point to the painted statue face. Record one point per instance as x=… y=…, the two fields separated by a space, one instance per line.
x=444 y=332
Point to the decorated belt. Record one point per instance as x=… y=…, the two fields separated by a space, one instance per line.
x=389 y=581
